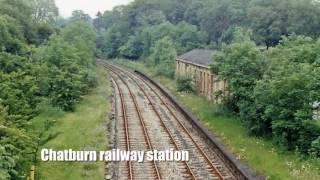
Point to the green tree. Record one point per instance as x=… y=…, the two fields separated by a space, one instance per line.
x=163 y=57
x=272 y=19
x=175 y=10
x=187 y=37
x=133 y=49
x=19 y=87
x=288 y=90
x=11 y=35
x=44 y=31
x=21 y=12
x=191 y=14
x=65 y=77
x=220 y=16
x=242 y=64
x=113 y=39
x=104 y=21
x=269 y=20
x=185 y=84
x=79 y=15
x=304 y=18
x=13 y=144
x=82 y=35
x=150 y=35
x=44 y=11
x=36 y=67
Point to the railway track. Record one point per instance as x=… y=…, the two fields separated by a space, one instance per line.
x=148 y=120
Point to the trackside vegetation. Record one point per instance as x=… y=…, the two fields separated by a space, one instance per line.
x=83 y=129
x=274 y=91
x=269 y=57
x=185 y=84
x=262 y=154
x=44 y=62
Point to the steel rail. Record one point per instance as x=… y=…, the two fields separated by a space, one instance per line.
x=124 y=115
x=216 y=171
x=141 y=119
x=165 y=127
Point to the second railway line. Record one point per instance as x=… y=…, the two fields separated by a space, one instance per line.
x=147 y=120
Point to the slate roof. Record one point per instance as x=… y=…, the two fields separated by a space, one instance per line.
x=198 y=56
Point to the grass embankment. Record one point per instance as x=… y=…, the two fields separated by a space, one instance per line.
x=260 y=154
x=83 y=129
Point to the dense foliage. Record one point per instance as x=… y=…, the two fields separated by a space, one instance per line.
x=185 y=84
x=287 y=92
x=274 y=91
x=198 y=23
x=271 y=63
x=40 y=63
x=163 y=56
x=136 y=31
x=273 y=78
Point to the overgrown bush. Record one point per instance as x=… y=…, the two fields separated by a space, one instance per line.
x=36 y=67
x=18 y=79
x=185 y=83
x=315 y=147
x=288 y=90
x=241 y=64
x=65 y=78
x=163 y=57
x=274 y=97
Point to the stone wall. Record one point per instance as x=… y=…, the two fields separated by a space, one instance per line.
x=206 y=83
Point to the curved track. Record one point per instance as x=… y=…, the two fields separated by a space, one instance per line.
x=147 y=120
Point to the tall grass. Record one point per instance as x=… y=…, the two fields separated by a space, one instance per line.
x=83 y=129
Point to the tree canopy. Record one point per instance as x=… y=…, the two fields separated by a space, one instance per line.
x=269 y=55
x=274 y=91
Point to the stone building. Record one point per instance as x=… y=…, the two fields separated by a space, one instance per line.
x=196 y=64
